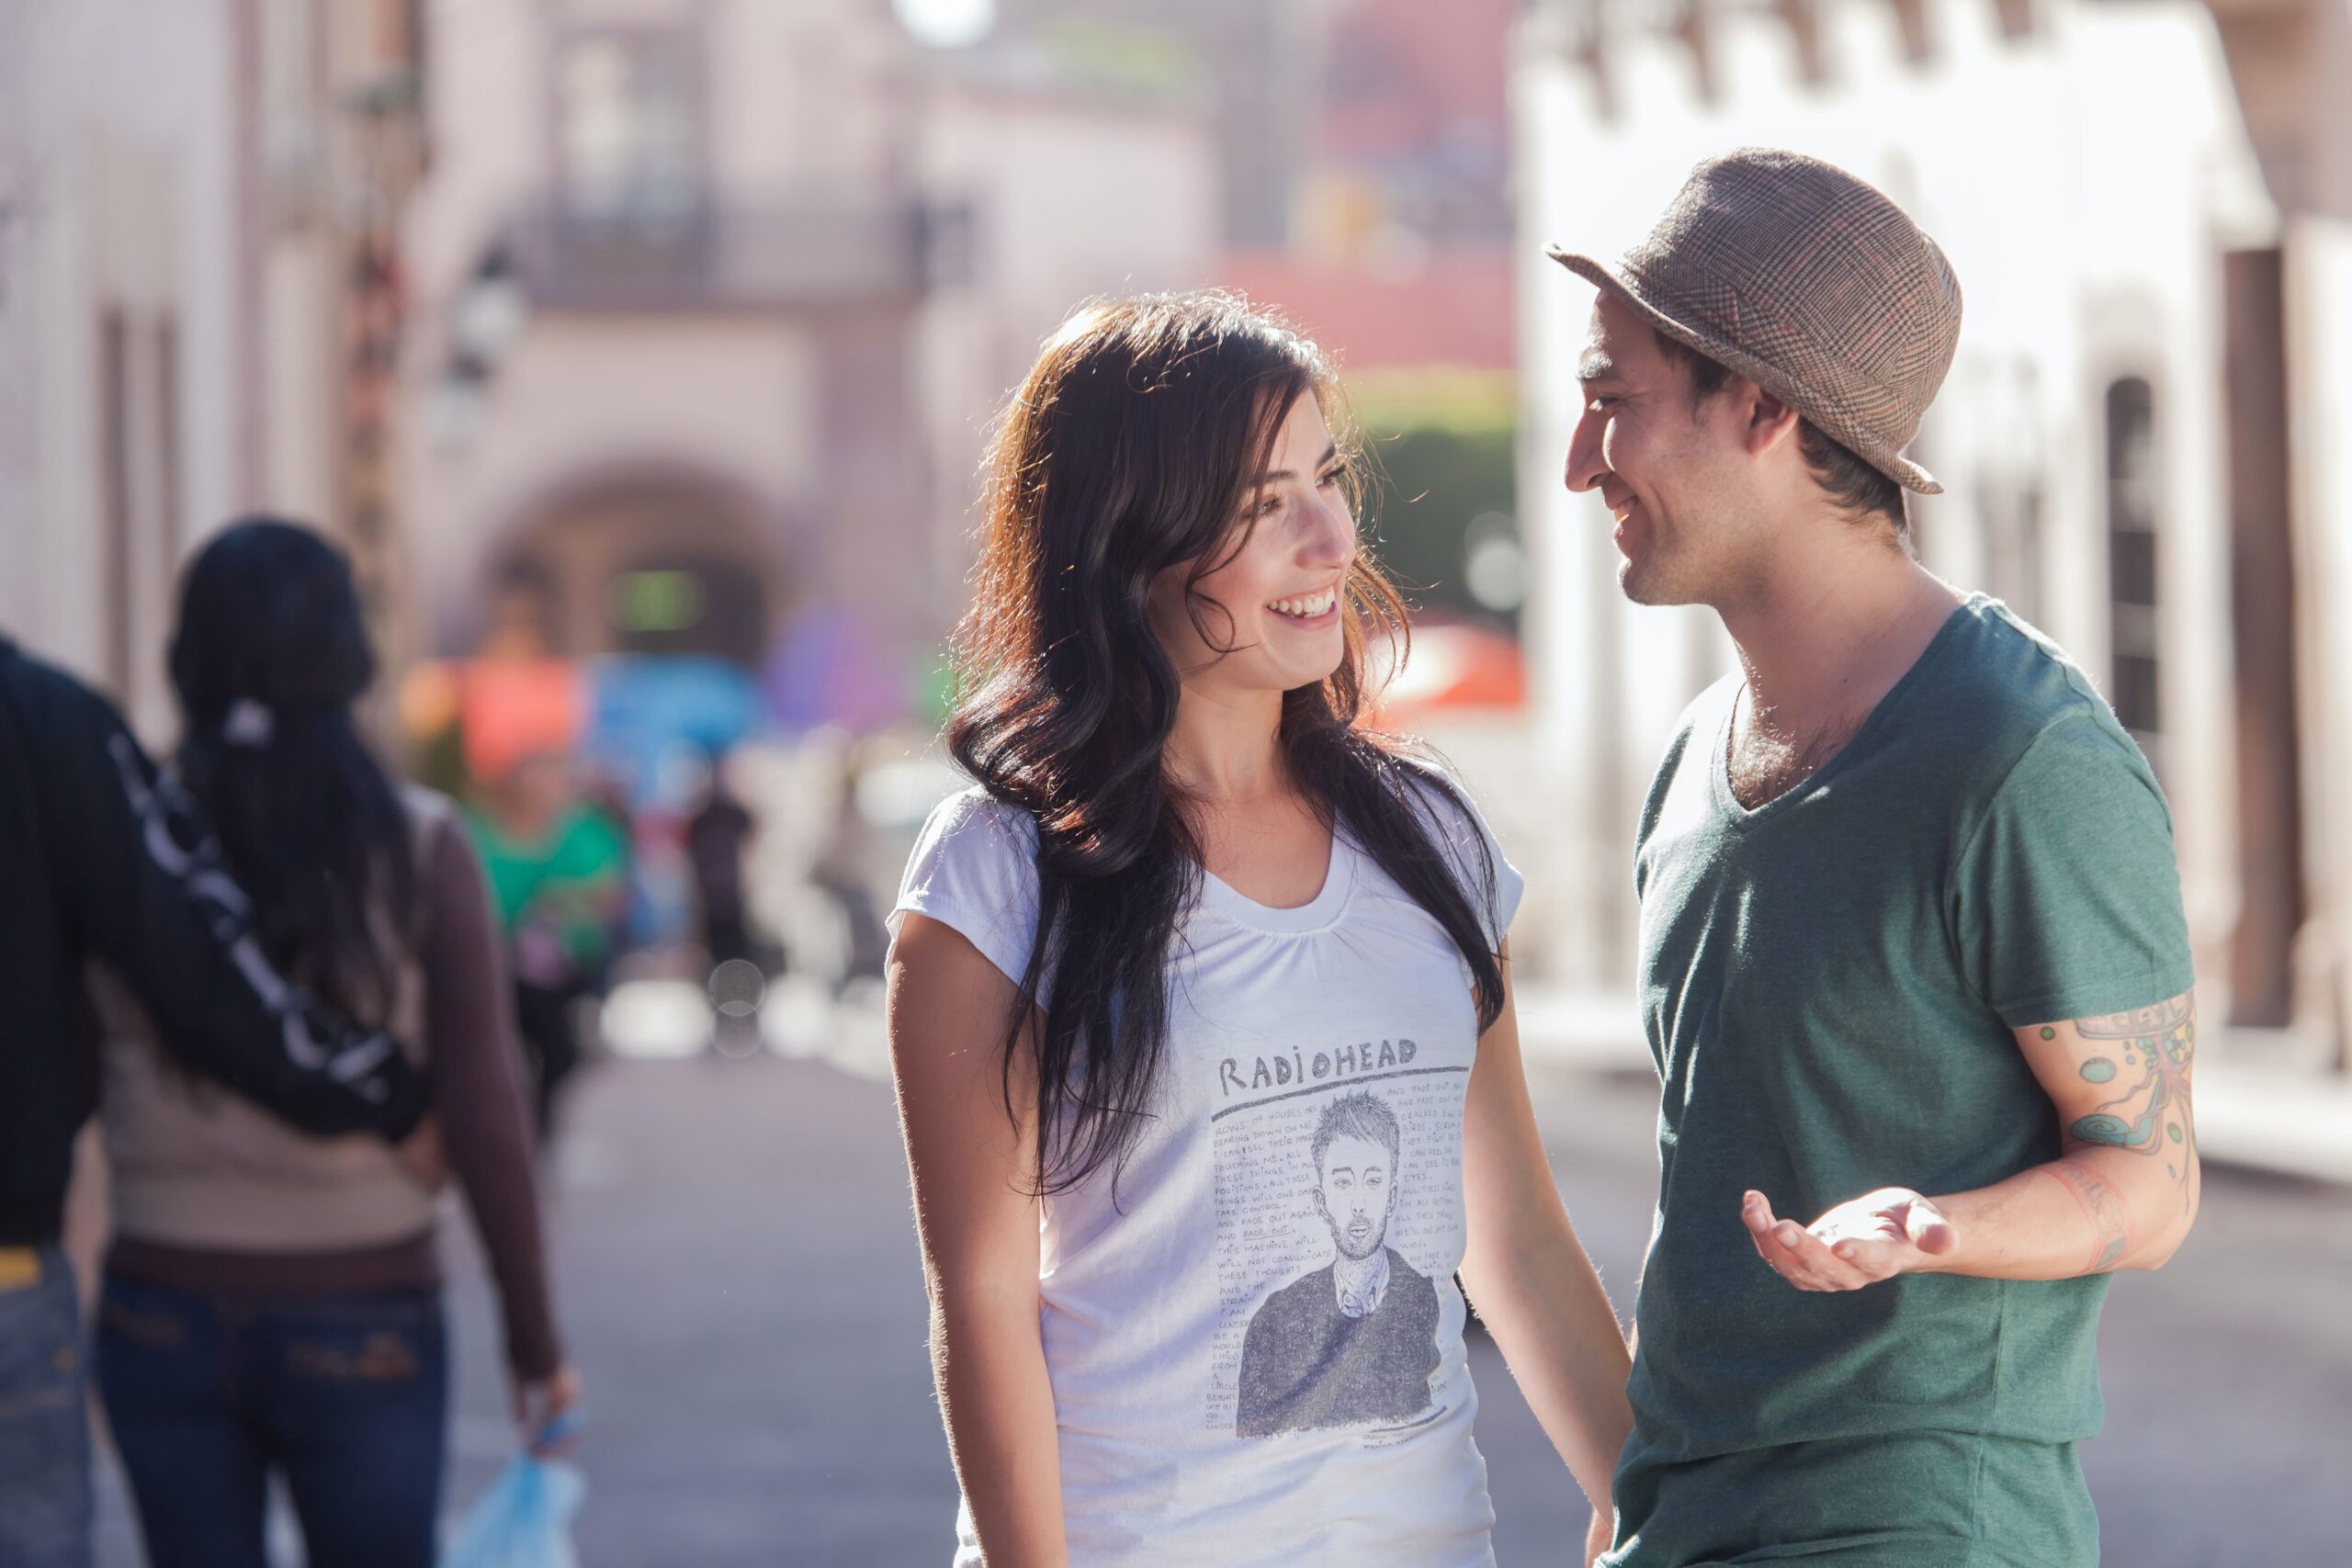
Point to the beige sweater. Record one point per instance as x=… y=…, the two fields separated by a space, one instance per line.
x=195 y=1166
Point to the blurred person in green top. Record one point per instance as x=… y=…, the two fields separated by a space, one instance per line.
x=1913 y=962
x=558 y=872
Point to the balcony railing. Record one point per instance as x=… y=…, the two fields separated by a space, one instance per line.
x=713 y=256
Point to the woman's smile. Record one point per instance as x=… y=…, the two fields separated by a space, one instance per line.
x=1319 y=608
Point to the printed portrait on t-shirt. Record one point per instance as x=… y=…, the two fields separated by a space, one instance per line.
x=1352 y=1342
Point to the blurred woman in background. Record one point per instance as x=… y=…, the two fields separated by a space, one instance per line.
x=558 y=877
x=272 y=1302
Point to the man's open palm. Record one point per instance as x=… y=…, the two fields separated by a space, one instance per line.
x=1861 y=1241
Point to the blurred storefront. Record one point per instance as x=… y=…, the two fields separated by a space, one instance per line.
x=2142 y=438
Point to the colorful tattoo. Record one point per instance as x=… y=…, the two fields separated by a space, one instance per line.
x=2151 y=1050
x=2109 y=1216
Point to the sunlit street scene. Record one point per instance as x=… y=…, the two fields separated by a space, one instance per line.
x=1054 y=783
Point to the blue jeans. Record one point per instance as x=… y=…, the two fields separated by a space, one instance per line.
x=347 y=1397
x=44 y=1434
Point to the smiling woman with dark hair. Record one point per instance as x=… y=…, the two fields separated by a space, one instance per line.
x=1198 y=933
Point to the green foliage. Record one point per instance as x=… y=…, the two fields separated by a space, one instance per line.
x=1439 y=451
x=1131 y=64
x=1472 y=401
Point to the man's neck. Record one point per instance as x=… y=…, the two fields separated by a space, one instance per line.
x=1824 y=633
x=1352 y=1275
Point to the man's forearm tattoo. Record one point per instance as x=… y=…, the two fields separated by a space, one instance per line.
x=2110 y=1217
x=2149 y=1051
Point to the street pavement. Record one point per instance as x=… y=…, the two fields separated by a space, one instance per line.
x=739 y=1283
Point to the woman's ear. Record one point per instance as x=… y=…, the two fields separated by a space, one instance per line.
x=1165 y=607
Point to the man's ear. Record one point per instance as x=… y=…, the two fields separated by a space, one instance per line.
x=1321 y=1207
x=1769 y=421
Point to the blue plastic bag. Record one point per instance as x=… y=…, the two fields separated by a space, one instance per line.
x=523 y=1521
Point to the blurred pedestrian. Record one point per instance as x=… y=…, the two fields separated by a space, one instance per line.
x=557 y=871
x=1912 y=944
x=1252 y=1092
x=272 y=1303
x=846 y=871
x=100 y=858
x=606 y=792
x=716 y=835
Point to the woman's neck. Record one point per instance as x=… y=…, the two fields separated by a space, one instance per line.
x=1225 y=747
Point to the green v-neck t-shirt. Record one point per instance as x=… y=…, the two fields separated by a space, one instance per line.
x=1829 y=984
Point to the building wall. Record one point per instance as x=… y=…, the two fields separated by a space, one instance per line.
x=1070 y=199
x=809 y=95
x=718 y=397
x=587 y=399
x=855 y=418
x=122 y=168
x=2318 y=247
x=2319 y=253
x=1259 y=65
x=172 y=341
x=2085 y=219
x=20 y=393
x=490 y=121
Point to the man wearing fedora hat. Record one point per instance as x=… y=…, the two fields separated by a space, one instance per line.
x=1913 y=961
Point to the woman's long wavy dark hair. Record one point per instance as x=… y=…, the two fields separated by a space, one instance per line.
x=269 y=655
x=1129 y=450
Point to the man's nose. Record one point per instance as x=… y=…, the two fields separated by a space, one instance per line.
x=1586 y=462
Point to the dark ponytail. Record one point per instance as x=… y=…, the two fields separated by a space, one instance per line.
x=269 y=654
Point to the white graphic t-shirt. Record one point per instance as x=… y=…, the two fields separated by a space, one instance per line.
x=1257 y=1355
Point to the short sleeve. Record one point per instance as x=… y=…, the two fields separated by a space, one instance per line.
x=1492 y=884
x=2066 y=897
x=974 y=869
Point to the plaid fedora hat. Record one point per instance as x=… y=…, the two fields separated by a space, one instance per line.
x=1811 y=284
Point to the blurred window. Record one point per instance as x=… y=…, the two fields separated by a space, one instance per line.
x=629 y=118
x=704 y=603
x=118 y=488
x=139 y=482
x=2131 y=558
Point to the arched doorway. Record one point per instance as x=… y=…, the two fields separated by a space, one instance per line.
x=623 y=620
x=648 y=562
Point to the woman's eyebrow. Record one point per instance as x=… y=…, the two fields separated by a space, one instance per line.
x=1321 y=463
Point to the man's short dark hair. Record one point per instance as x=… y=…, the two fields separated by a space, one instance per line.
x=1853 y=486
x=1357 y=1114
